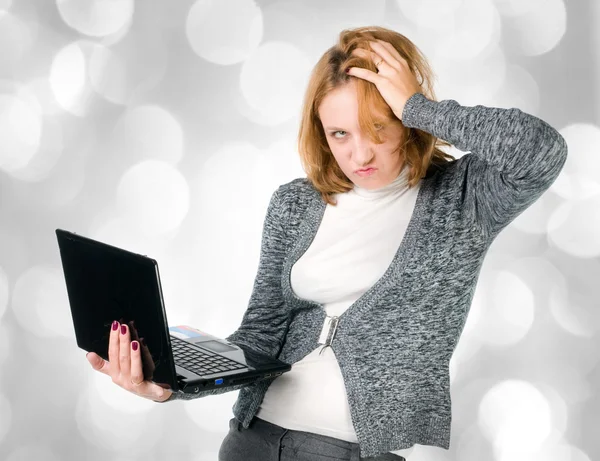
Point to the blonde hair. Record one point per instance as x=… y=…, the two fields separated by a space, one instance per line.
x=420 y=148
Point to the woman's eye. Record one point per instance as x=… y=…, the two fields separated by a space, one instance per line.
x=333 y=133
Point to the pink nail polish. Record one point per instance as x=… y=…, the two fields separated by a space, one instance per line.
x=115 y=325
x=134 y=345
x=123 y=329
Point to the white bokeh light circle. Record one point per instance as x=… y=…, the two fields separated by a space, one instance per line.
x=40 y=167
x=153 y=197
x=575 y=226
x=38 y=451
x=40 y=302
x=6 y=345
x=120 y=425
x=4 y=290
x=538 y=26
x=21 y=125
x=571 y=311
x=40 y=88
x=96 y=18
x=272 y=82
x=217 y=405
x=474 y=26
x=471 y=81
x=430 y=14
x=4 y=7
x=516 y=417
x=510 y=8
x=68 y=77
x=227 y=170
x=108 y=74
x=520 y=90
x=6 y=419
x=151 y=132
x=579 y=177
x=220 y=37
x=509 y=311
x=17 y=38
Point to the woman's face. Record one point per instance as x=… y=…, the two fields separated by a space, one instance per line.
x=354 y=150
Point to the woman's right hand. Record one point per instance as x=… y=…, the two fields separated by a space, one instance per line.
x=124 y=365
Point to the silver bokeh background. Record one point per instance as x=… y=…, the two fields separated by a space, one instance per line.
x=164 y=127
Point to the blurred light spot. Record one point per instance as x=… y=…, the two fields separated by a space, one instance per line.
x=534 y=27
x=15 y=247
x=573 y=316
x=4 y=7
x=6 y=351
x=213 y=406
x=224 y=32
x=471 y=81
x=37 y=452
x=511 y=8
x=4 y=289
x=41 y=165
x=150 y=132
x=68 y=78
x=40 y=302
x=230 y=165
x=41 y=90
x=108 y=74
x=430 y=14
x=124 y=424
x=123 y=72
x=575 y=226
x=118 y=232
x=96 y=18
x=509 y=311
x=520 y=90
x=6 y=418
x=20 y=130
x=17 y=37
x=469 y=29
x=516 y=417
x=272 y=83
x=579 y=177
x=153 y=197
x=571 y=374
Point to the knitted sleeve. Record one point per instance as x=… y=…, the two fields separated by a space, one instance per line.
x=515 y=157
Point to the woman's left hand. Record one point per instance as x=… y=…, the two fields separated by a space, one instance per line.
x=394 y=80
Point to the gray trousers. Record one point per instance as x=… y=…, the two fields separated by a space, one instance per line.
x=264 y=441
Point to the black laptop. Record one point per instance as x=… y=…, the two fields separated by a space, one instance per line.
x=106 y=283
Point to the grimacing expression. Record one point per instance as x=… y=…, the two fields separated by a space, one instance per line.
x=354 y=150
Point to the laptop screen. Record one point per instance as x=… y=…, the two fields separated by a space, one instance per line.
x=106 y=283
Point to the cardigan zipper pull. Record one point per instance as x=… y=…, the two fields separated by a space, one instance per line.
x=333 y=323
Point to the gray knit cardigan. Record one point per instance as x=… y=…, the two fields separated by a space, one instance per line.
x=395 y=342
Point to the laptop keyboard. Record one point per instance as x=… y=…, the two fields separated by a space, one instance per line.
x=199 y=361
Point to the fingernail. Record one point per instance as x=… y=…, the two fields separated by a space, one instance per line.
x=115 y=325
x=347 y=69
x=134 y=345
x=123 y=329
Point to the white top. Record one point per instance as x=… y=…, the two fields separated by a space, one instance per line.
x=355 y=244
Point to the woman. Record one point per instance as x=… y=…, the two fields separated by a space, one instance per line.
x=366 y=278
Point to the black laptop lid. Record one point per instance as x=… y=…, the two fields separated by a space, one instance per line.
x=106 y=283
